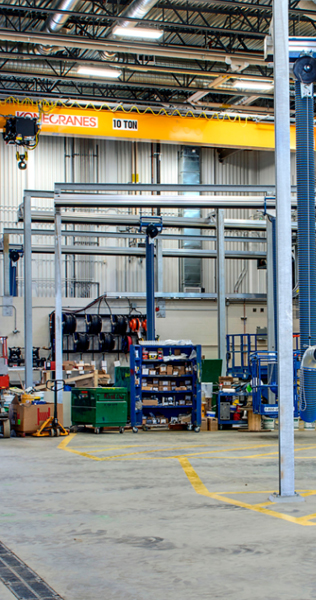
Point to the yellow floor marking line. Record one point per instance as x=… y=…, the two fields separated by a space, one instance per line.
x=202 y=490
x=107 y=447
x=144 y=445
x=64 y=446
x=298 y=449
x=248 y=492
x=65 y=441
x=310 y=517
x=146 y=451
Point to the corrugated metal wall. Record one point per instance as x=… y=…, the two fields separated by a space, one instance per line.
x=83 y=160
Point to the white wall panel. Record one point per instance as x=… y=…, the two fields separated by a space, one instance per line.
x=111 y=161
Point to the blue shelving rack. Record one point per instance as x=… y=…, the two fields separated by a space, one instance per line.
x=140 y=361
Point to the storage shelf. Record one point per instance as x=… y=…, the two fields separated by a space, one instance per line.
x=151 y=392
x=160 y=406
x=165 y=376
x=164 y=362
x=155 y=396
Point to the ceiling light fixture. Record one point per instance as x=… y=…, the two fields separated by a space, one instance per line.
x=244 y=84
x=138 y=32
x=98 y=72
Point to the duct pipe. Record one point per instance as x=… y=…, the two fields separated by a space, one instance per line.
x=57 y=21
x=138 y=9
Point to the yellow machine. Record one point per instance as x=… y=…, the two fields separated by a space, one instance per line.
x=52 y=427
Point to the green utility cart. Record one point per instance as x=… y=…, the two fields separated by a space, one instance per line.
x=122 y=378
x=99 y=407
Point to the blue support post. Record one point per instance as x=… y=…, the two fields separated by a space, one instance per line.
x=13 y=278
x=150 y=287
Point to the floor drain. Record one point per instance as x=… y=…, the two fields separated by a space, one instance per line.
x=24 y=583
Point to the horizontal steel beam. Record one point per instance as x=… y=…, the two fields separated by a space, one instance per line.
x=133 y=221
x=145 y=201
x=166 y=252
x=130 y=47
x=262 y=298
x=164 y=187
x=136 y=236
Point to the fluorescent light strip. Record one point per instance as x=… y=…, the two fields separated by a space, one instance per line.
x=99 y=72
x=243 y=84
x=138 y=32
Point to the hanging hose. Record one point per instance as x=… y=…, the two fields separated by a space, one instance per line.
x=306 y=216
x=304 y=106
x=93 y=324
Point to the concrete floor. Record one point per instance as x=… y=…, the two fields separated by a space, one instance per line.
x=160 y=515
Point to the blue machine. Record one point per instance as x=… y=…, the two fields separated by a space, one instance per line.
x=227 y=411
x=264 y=383
x=239 y=348
x=14 y=256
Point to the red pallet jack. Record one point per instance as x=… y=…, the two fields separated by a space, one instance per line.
x=52 y=427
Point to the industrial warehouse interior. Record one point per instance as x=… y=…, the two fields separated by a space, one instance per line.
x=158 y=300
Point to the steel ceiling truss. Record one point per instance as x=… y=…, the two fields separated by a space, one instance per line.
x=241 y=21
x=225 y=27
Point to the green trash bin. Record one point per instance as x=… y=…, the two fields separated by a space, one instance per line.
x=122 y=378
x=99 y=407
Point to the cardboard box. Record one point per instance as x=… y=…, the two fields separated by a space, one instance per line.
x=152 y=372
x=163 y=369
x=150 y=402
x=212 y=424
x=226 y=382
x=204 y=425
x=185 y=419
x=169 y=370
x=177 y=352
x=181 y=371
x=147 y=388
x=28 y=418
x=145 y=371
x=69 y=365
x=176 y=372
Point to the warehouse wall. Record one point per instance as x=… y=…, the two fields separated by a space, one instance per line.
x=82 y=160
x=194 y=320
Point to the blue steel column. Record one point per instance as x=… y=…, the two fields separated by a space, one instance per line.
x=150 y=287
